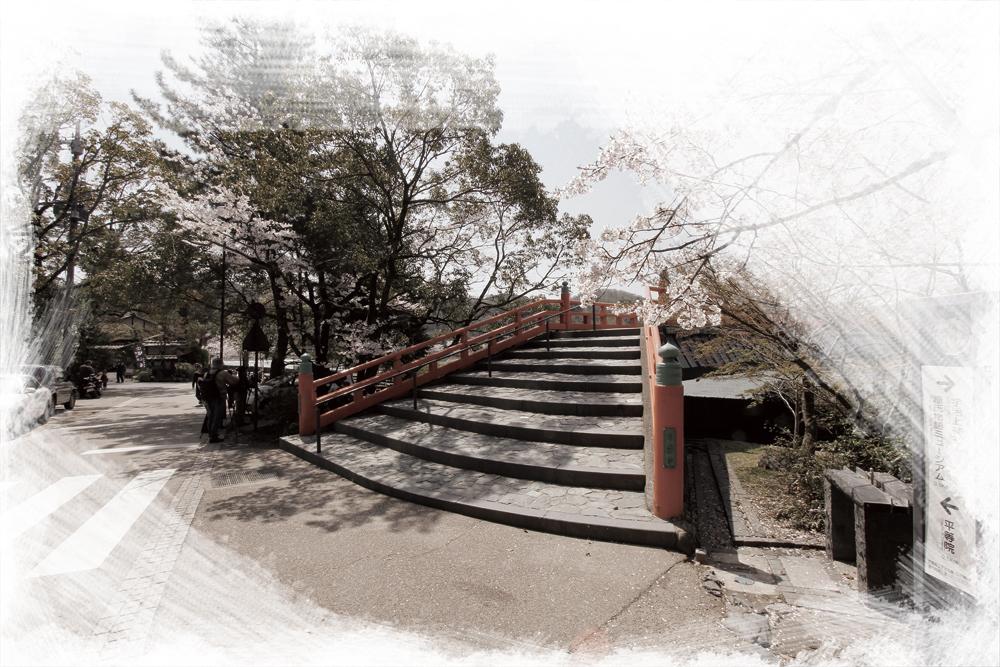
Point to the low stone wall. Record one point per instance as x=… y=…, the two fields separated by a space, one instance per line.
x=869 y=522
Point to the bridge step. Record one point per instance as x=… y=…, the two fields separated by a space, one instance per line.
x=541 y=401
x=574 y=353
x=599 y=333
x=618 y=432
x=601 y=514
x=550 y=440
x=559 y=464
x=560 y=342
x=626 y=384
x=573 y=366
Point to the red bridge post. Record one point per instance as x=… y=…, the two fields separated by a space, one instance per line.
x=668 y=435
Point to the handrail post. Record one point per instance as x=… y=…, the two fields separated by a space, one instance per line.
x=668 y=435
x=307 y=397
x=548 y=336
x=564 y=305
x=593 y=315
x=318 y=431
x=517 y=322
x=414 y=390
x=489 y=358
x=464 y=342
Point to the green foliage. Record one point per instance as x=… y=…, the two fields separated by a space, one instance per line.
x=145 y=375
x=804 y=471
x=282 y=407
x=183 y=371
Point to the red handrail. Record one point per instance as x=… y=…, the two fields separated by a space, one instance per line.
x=524 y=327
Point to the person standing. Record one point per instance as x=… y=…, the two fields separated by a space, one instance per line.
x=195 y=379
x=104 y=379
x=214 y=387
x=120 y=372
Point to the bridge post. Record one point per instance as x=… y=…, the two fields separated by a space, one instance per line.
x=668 y=435
x=564 y=305
x=307 y=397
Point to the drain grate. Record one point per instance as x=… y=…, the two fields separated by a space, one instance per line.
x=239 y=477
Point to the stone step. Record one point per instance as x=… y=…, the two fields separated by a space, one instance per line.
x=598 y=333
x=599 y=514
x=574 y=353
x=544 y=401
x=617 y=432
x=547 y=462
x=572 y=366
x=606 y=341
x=629 y=384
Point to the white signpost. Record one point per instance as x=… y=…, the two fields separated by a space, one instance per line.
x=949 y=530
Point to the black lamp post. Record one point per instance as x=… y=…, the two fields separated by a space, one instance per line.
x=222 y=316
x=256 y=342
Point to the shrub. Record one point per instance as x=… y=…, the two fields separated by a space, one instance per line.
x=145 y=375
x=804 y=471
x=183 y=371
x=283 y=407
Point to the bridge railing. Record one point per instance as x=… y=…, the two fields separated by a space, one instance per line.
x=398 y=373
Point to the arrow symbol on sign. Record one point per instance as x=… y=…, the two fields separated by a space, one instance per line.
x=948 y=507
x=947 y=383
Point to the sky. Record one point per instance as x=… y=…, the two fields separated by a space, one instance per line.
x=570 y=73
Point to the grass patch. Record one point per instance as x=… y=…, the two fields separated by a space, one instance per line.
x=769 y=490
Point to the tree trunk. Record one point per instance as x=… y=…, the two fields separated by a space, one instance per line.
x=281 y=320
x=808 y=420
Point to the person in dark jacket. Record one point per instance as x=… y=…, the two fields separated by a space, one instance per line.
x=214 y=388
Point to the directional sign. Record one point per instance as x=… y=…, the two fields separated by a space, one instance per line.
x=950 y=532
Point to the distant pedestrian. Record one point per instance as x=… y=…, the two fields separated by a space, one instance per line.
x=196 y=376
x=104 y=379
x=120 y=373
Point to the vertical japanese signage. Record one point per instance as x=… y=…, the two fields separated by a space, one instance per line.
x=949 y=530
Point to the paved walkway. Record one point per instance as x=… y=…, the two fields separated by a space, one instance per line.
x=248 y=555
x=799 y=604
x=477 y=445
x=398 y=470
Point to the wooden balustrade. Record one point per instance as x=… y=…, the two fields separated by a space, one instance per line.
x=472 y=346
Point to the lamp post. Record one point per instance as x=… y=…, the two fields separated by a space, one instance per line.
x=77 y=212
x=222 y=316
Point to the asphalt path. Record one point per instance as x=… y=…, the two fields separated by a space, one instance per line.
x=126 y=530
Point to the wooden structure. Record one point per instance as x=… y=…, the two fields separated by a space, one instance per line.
x=402 y=372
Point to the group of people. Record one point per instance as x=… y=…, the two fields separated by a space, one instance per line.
x=216 y=388
x=86 y=369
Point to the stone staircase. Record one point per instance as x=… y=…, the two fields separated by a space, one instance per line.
x=548 y=440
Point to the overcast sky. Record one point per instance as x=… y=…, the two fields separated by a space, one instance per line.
x=569 y=72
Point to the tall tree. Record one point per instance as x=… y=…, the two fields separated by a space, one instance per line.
x=377 y=155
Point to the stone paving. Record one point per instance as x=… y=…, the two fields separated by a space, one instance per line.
x=401 y=471
x=574 y=353
x=796 y=602
x=582 y=398
x=481 y=446
x=607 y=341
x=555 y=378
x=576 y=424
x=614 y=366
x=125 y=629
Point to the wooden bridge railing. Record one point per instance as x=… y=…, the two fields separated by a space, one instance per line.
x=401 y=372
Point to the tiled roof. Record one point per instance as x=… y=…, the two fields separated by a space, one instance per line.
x=691 y=344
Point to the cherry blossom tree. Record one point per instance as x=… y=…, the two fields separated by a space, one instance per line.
x=376 y=153
x=838 y=190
